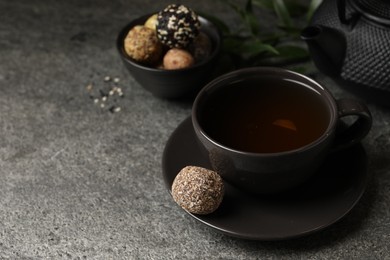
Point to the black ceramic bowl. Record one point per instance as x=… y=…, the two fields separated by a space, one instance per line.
x=181 y=83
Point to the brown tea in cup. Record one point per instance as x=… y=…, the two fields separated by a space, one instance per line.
x=265 y=116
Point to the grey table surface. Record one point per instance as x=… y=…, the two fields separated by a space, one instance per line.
x=79 y=182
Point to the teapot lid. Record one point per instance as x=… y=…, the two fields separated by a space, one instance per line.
x=377 y=10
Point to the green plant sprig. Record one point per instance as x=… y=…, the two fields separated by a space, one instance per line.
x=252 y=44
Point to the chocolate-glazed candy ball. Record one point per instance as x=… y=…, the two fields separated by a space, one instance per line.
x=198 y=190
x=142 y=44
x=177 y=26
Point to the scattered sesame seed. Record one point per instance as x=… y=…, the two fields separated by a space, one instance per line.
x=89 y=87
x=107 y=95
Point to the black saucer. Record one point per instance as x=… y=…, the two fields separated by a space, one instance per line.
x=323 y=200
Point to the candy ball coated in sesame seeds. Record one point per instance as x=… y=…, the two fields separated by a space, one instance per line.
x=177 y=26
x=198 y=190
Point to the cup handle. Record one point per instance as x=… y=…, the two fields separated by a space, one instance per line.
x=347 y=135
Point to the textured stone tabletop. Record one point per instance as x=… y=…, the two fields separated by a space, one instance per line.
x=80 y=182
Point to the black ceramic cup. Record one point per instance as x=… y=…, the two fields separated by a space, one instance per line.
x=267 y=129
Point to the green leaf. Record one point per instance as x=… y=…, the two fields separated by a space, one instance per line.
x=251 y=20
x=312 y=7
x=292 y=51
x=246 y=48
x=249 y=6
x=252 y=23
x=264 y=4
x=296 y=8
x=282 y=13
x=255 y=48
x=232 y=45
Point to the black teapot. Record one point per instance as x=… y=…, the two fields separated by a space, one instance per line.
x=349 y=40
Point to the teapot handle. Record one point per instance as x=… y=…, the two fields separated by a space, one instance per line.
x=341 y=10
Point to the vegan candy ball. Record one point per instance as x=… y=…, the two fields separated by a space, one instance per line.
x=151 y=22
x=201 y=47
x=177 y=26
x=198 y=190
x=142 y=45
x=177 y=59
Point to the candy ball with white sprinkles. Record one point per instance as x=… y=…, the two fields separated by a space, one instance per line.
x=177 y=26
x=198 y=190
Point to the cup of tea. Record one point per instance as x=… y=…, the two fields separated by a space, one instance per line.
x=266 y=129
